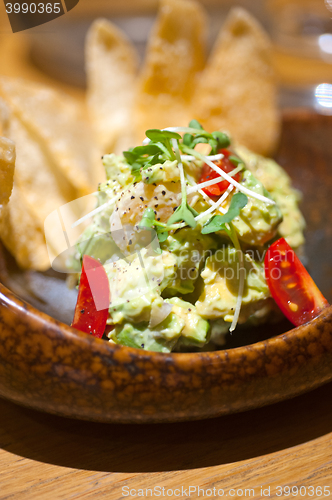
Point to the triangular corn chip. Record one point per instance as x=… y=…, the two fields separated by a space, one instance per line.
x=111 y=67
x=21 y=233
x=175 y=55
x=57 y=123
x=44 y=186
x=237 y=91
x=7 y=167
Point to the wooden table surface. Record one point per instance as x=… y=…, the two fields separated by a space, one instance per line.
x=288 y=444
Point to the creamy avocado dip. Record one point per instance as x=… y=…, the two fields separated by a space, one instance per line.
x=184 y=265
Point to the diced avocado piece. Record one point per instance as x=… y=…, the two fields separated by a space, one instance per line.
x=219 y=330
x=161 y=172
x=196 y=329
x=221 y=284
x=131 y=336
x=190 y=248
x=258 y=221
x=278 y=184
x=100 y=246
x=161 y=338
x=117 y=171
x=136 y=282
x=136 y=309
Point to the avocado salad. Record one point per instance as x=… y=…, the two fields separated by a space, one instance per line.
x=181 y=228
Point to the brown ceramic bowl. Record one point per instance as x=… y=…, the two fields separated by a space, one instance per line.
x=46 y=365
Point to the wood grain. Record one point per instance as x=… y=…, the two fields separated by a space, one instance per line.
x=44 y=456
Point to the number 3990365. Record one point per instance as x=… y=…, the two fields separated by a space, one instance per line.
x=33 y=8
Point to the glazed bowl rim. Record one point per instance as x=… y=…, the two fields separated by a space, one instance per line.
x=29 y=313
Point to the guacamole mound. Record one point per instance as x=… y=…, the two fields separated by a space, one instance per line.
x=175 y=286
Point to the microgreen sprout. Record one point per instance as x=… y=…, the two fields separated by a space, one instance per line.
x=149 y=222
x=217 y=140
x=218 y=222
x=184 y=212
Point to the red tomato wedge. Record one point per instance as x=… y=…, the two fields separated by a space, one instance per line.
x=208 y=174
x=93 y=299
x=291 y=286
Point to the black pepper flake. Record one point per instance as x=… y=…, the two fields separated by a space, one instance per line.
x=130 y=242
x=174 y=209
x=189 y=309
x=141 y=198
x=146 y=178
x=142 y=345
x=82 y=311
x=154 y=184
x=163 y=193
x=127 y=300
x=155 y=212
x=158 y=219
x=132 y=197
x=156 y=197
x=156 y=205
x=116 y=209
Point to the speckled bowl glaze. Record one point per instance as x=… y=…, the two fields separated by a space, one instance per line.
x=47 y=365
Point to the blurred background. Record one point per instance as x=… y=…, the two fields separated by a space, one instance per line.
x=301 y=31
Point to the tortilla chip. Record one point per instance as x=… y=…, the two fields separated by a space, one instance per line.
x=36 y=175
x=7 y=167
x=57 y=123
x=175 y=55
x=237 y=90
x=111 y=67
x=21 y=233
x=50 y=162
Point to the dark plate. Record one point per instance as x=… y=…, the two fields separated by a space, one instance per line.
x=46 y=365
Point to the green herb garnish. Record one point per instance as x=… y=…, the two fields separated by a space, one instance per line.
x=148 y=219
x=184 y=212
x=235 y=160
x=163 y=138
x=149 y=222
x=217 y=222
x=217 y=140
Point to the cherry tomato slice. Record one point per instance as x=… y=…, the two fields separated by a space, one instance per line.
x=93 y=299
x=208 y=174
x=290 y=284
